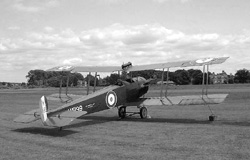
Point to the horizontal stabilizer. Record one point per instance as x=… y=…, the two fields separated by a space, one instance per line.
x=58 y=122
x=25 y=119
x=63 y=119
x=55 y=120
x=186 y=100
x=28 y=117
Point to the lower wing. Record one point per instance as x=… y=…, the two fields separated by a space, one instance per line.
x=186 y=100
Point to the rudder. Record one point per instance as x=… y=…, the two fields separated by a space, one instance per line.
x=43 y=105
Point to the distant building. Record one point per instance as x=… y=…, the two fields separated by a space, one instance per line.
x=219 y=78
x=80 y=83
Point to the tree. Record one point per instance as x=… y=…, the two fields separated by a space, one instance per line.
x=112 y=79
x=92 y=80
x=146 y=73
x=35 y=77
x=52 y=78
x=242 y=76
x=181 y=77
x=196 y=76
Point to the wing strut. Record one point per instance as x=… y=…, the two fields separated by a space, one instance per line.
x=66 y=91
x=88 y=83
x=205 y=78
x=67 y=85
x=60 y=89
x=162 y=77
x=166 y=93
x=95 y=81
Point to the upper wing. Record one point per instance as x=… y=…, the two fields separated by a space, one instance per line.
x=97 y=68
x=197 y=62
x=87 y=68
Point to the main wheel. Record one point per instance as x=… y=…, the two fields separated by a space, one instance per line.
x=143 y=112
x=122 y=112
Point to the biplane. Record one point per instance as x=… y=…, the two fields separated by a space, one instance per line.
x=124 y=93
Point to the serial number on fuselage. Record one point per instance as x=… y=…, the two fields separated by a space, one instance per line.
x=80 y=108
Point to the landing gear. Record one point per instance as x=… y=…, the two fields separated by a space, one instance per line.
x=143 y=112
x=122 y=112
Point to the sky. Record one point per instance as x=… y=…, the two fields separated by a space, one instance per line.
x=41 y=34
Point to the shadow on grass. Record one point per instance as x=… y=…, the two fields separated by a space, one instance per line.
x=54 y=132
x=100 y=119
x=93 y=120
x=240 y=124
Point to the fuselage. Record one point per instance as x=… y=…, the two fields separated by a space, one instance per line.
x=135 y=89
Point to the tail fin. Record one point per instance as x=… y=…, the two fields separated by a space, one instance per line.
x=43 y=105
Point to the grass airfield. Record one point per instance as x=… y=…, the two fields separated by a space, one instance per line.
x=172 y=132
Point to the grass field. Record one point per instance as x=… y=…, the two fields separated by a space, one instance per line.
x=172 y=132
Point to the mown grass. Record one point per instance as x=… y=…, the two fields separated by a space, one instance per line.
x=173 y=132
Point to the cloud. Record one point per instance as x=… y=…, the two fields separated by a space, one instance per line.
x=14 y=28
x=163 y=1
x=48 y=29
x=113 y=2
x=2 y=47
x=115 y=44
x=34 y=5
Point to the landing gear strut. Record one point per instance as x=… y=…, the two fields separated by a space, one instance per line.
x=122 y=113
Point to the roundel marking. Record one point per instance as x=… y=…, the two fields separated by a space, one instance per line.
x=204 y=60
x=111 y=99
x=64 y=67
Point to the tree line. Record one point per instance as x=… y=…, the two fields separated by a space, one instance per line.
x=184 y=77
x=52 y=78
x=179 y=77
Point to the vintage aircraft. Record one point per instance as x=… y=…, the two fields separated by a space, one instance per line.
x=125 y=93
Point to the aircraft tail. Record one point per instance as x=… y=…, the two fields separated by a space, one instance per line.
x=35 y=114
x=54 y=118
